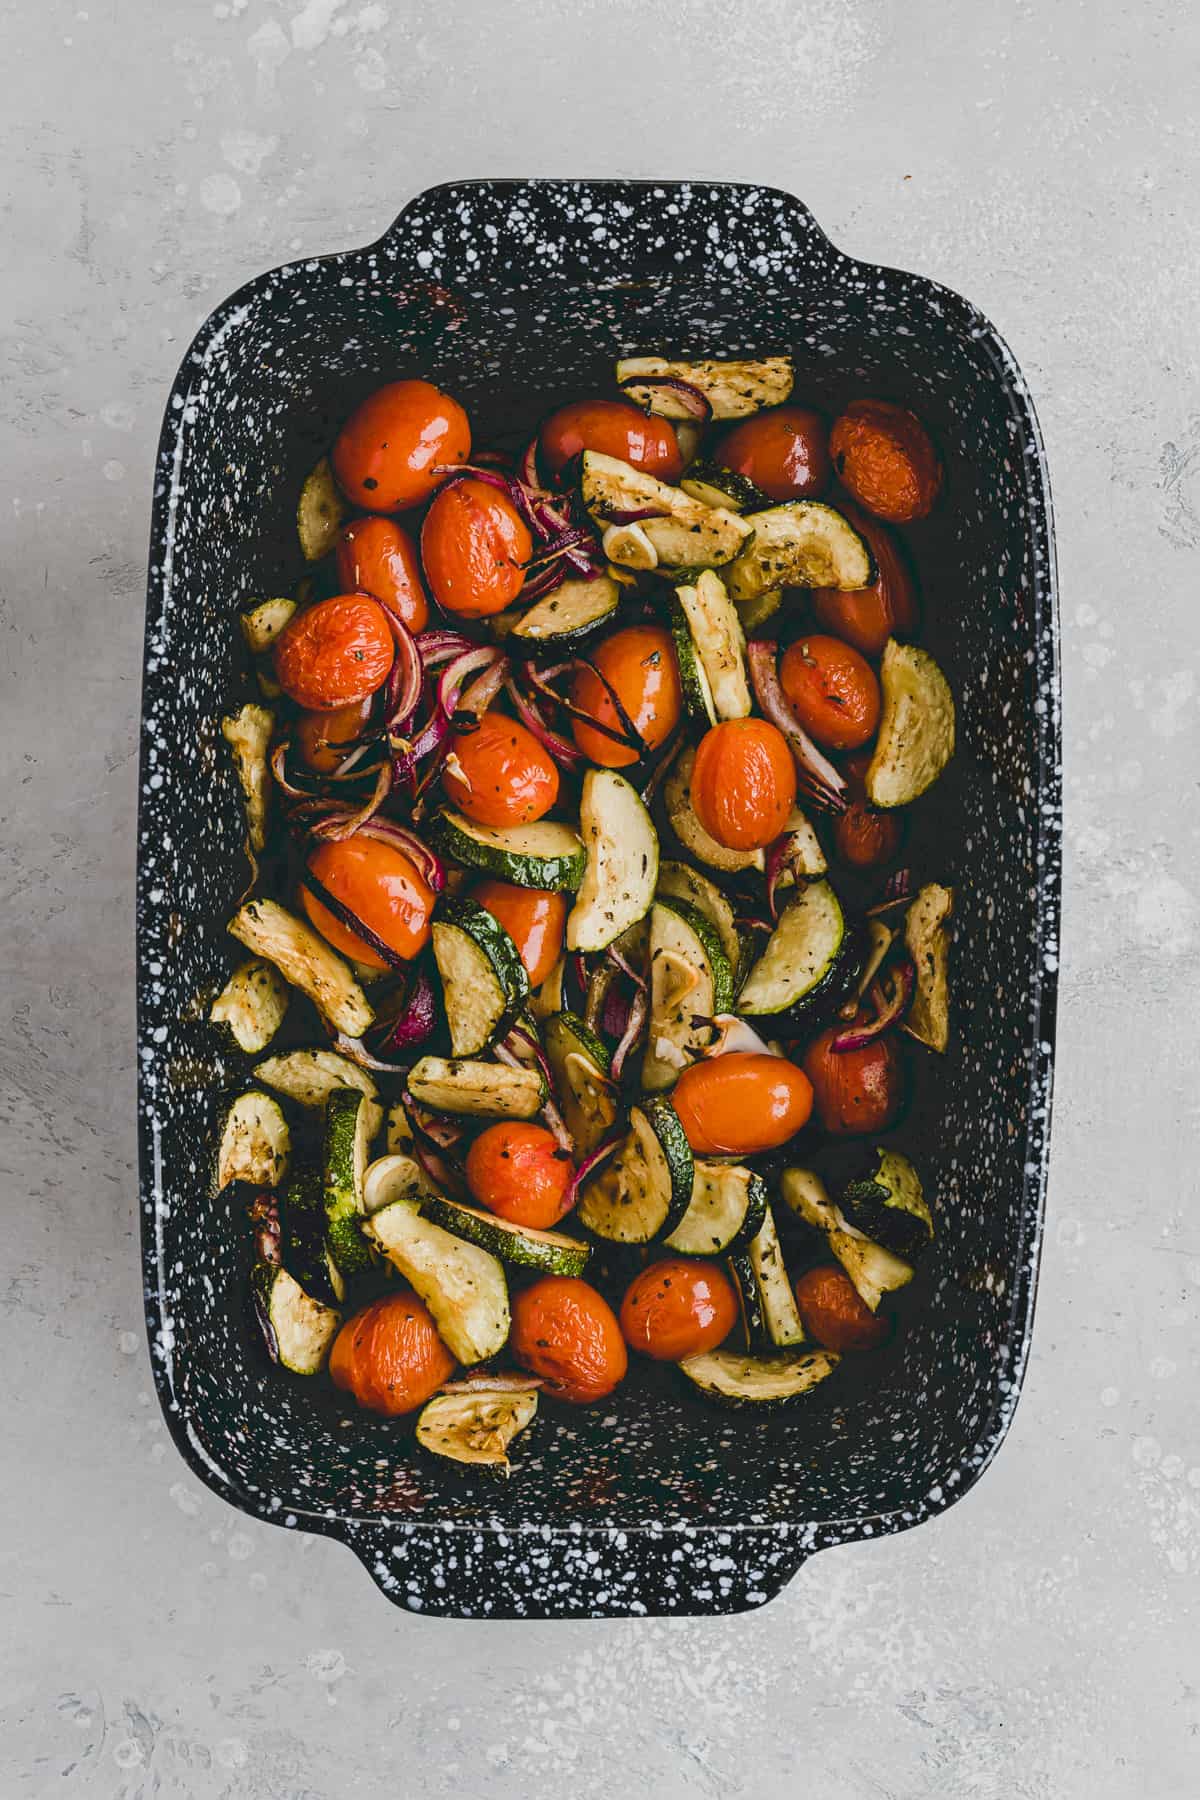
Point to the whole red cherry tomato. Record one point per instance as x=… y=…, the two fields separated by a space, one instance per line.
x=785 y=452
x=615 y=428
x=389 y=1356
x=638 y=664
x=567 y=1333
x=855 y=1090
x=533 y=918
x=868 y=617
x=381 y=886
x=518 y=1171
x=743 y=783
x=474 y=546
x=833 y=690
x=388 y=451
x=884 y=457
x=864 y=836
x=833 y=1312
x=500 y=774
x=678 y=1308
x=741 y=1103
x=378 y=557
x=335 y=653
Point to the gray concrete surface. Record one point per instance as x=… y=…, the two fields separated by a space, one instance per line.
x=1039 y=1641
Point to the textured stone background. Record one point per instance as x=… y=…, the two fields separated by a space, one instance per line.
x=1039 y=1642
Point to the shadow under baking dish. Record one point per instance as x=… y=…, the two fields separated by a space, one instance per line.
x=517 y=296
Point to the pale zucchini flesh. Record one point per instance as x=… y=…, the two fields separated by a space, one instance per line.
x=579 y=1063
x=252 y=1004
x=642 y=1192
x=677 y=797
x=693 y=678
x=320 y=513
x=726 y=1210
x=483 y=978
x=622 y=861
x=309 y=1077
x=482 y=1089
x=781 y=1315
x=732 y=1379
x=304 y=958
x=873 y=1270
x=676 y=880
x=690 y=980
x=255 y=1142
x=476 y=1428
x=733 y=389
x=916 y=727
x=463 y=1286
x=543 y=855
x=248 y=734
x=548 y=1252
x=298 y=1330
x=719 y=642
x=570 y=614
x=262 y=621
x=802 y=543
x=714 y=485
x=928 y=943
x=803 y=957
x=683 y=532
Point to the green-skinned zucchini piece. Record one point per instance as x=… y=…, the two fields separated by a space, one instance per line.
x=544 y=855
x=719 y=644
x=482 y=1089
x=320 y=513
x=725 y=1212
x=252 y=1005
x=548 y=1252
x=642 y=1191
x=571 y=614
x=255 y=1142
x=248 y=734
x=476 y=1427
x=928 y=943
x=873 y=1270
x=691 y=979
x=579 y=1063
x=304 y=958
x=347 y=1152
x=916 y=727
x=763 y=1381
x=684 y=533
x=298 y=1330
x=888 y=1203
x=734 y=389
x=484 y=983
x=622 y=861
x=463 y=1286
x=802 y=543
x=262 y=621
x=810 y=960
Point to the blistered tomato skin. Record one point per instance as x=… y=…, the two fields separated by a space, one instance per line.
x=884 y=457
x=390 y=1357
x=678 y=1308
x=500 y=774
x=743 y=783
x=868 y=617
x=518 y=1171
x=785 y=452
x=639 y=665
x=377 y=556
x=833 y=690
x=614 y=428
x=533 y=918
x=382 y=887
x=834 y=1313
x=856 y=1091
x=335 y=653
x=740 y=1103
x=567 y=1333
x=323 y=739
x=474 y=548
x=863 y=836
x=388 y=450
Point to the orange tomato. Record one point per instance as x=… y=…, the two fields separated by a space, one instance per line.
x=324 y=738
x=533 y=919
x=834 y=1313
x=740 y=1103
x=474 y=546
x=678 y=1308
x=386 y=452
x=639 y=664
x=868 y=617
x=785 y=452
x=855 y=1090
x=335 y=653
x=390 y=1357
x=378 y=557
x=500 y=774
x=615 y=428
x=833 y=690
x=518 y=1171
x=743 y=783
x=381 y=886
x=863 y=836
x=886 y=460
x=567 y=1333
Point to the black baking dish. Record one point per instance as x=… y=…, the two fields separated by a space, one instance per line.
x=516 y=295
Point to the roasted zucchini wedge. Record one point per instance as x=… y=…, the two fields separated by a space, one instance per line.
x=713 y=485
x=693 y=679
x=255 y=1142
x=781 y=1317
x=309 y=1077
x=719 y=644
x=570 y=615
x=297 y=1330
x=302 y=1236
x=888 y=1203
x=622 y=861
x=802 y=543
x=347 y=1152
x=476 y=1427
x=579 y=1064
x=252 y=1004
x=321 y=513
x=810 y=960
x=482 y=1089
x=463 y=1286
x=544 y=855
x=304 y=958
x=484 y=983
x=928 y=943
x=684 y=533
x=691 y=978
x=262 y=621
x=916 y=728
x=248 y=734
x=733 y=390
x=725 y=1212
x=677 y=798
x=763 y=1381
x=873 y=1270
x=549 y=1252
x=676 y=881
x=642 y=1192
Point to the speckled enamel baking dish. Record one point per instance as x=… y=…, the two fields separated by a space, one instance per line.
x=517 y=295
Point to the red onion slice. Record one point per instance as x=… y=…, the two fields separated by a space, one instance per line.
x=823 y=784
x=889 y=1008
x=635 y=1026
x=693 y=399
x=416 y=1018
x=403 y=689
x=561 y=749
x=437 y=647
x=357 y=1052
x=263 y=1213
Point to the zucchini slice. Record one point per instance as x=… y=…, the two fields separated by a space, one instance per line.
x=568 y=616
x=693 y=677
x=756 y=612
x=579 y=1064
x=298 y=1330
x=321 y=513
x=302 y=1235
x=399 y=1130
x=484 y=1090
x=622 y=861
x=749 y=1299
x=304 y=958
x=642 y=1192
x=889 y=1205
x=252 y=1004
x=262 y=621
x=802 y=543
x=763 y=1381
x=683 y=533
x=719 y=643
x=476 y=1428
x=679 y=882
x=248 y=734
x=916 y=727
x=873 y=1270
x=808 y=960
x=725 y=1212
x=713 y=485
x=463 y=1286
x=803 y=857
x=255 y=1142
x=781 y=1316
x=734 y=390
x=677 y=797
x=928 y=943
x=309 y=1076
x=690 y=977
x=549 y=1252
x=346 y=1155
x=484 y=983
x=545 y=855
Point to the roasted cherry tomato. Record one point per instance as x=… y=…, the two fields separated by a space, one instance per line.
x=863 y=836
x=323 y=739
x=868 y=617
x=833 y=690
x=678 y=1308
x=885 y=459
x=785 y=452
x=834 y=1313
x=533 y=919
x=567 y=1333
x=743 y=783
x=639 y=665
x=388 y=450
x=389 y=1356
x=335 y=653
x=474 y=546
x=518 y=1171
x=615 y=428
x=379 y=557
x=499 y=774
x=740 y=1103
x=855 y=1090
x=381 y=886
